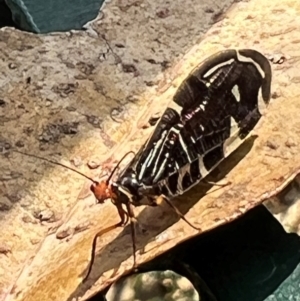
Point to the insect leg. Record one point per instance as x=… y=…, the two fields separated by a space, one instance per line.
x=133 y=234
x=215 y=184
x=124 y=220
x=164 y=198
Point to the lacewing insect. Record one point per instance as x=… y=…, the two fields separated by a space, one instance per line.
x=212 y=112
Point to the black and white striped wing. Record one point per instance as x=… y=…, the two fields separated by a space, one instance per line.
x=191 y=137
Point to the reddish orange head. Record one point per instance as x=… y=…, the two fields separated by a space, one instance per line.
x=102 y=191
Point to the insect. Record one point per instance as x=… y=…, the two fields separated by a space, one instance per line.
x=212 y=112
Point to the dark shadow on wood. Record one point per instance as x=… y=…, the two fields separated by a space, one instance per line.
x=244 y=260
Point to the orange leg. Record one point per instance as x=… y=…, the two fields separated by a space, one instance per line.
x=162 y=198
x=133 y=234
x=216 y=184
x=124 y=220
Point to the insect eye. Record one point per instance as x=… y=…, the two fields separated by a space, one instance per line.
x=93 y=186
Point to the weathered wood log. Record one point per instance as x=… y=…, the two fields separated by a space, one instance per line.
x=58 y=93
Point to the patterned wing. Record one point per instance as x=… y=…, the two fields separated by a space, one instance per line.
x=190 y=138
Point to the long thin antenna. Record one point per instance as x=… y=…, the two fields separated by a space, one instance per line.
x=115 y=168
x=56 y=163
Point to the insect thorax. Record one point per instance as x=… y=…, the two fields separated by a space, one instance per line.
x=129 y=189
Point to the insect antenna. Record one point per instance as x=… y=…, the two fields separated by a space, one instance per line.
x=125 y=216
x=56 y=163
x=117 y=166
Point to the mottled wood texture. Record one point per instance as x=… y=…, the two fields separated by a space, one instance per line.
x=74 y=71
